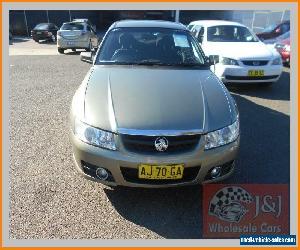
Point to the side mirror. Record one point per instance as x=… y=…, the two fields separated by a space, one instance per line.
x=86 y=57
x=213 y=59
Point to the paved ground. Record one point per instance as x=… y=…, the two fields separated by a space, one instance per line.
x=49 y=199
x=26 y=46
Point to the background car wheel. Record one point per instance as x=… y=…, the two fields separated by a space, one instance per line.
x=74 y=50
x=60 y=51
x=90 y=47
x=53 y=38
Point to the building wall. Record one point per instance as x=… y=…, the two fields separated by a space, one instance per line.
x=21 y=22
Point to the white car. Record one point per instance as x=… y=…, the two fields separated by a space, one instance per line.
x=241 y=56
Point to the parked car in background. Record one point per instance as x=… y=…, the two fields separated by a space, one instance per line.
x=78 y=34
x=150 y=113
x=284 y=49
x=44 y=31
x=242 y=56
x=274 y=30
x=278 y=39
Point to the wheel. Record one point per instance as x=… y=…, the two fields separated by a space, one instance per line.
x=90 y=47
x=36 y=40
x=53 y=38
x=60 y=51
x=74 y=50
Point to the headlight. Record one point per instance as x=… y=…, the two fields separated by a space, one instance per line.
x=228 y=61
x=287 y=48
x=94 y=136
x=222 y=136
x=277 y=61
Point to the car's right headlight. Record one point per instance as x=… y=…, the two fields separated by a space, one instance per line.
x=222 y=136
x=228 y=61
x=94 y=136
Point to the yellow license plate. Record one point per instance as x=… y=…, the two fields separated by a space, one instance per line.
x=161 y=172
x=255 y=73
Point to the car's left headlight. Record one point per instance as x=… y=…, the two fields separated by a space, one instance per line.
x=94 y=136
x=277 y=61
x=222 y=136
x=228 y=61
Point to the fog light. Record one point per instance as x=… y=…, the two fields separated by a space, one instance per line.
x=101 y=173
x=216 y=172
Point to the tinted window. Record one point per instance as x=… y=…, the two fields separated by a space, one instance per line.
x=72 y=26
x=42 y=26
x=149 y=45
x=270 y=28
x=229 y=33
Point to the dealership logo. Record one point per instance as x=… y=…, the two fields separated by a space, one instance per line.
x=256 y=63
x=228 y=203
x=161 y=144
x=239 y=209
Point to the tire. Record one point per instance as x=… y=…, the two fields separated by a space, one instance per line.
x=53 y=38
x=60 y=51
x=90 y=47
x=36 y=40
x=74 y=50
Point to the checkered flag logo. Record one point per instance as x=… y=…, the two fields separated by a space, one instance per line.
x=227 y=203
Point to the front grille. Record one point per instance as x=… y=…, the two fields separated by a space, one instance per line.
x=131 y=175
x=145 y=144
x=249 y=78
x=255 y=63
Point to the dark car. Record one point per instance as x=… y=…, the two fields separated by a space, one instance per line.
x=44 y=31
x=274 y=30
x=278 y=39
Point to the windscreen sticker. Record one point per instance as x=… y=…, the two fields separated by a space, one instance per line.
x=181 y=40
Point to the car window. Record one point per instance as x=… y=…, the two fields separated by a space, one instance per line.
x=150 y=46
x=52 y=26
x=72 y=26
x=230 y=33
x=42 y=26
x=190 y=26
x=269 y=28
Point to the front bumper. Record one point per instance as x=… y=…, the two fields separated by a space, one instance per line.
x=117 y=161
x=239 y=74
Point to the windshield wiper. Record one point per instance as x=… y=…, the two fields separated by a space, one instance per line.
x=190 y=65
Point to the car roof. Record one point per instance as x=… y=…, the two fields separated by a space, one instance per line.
x=148 y=24
x=75 y=22
x=209 y=23
x=80 y=20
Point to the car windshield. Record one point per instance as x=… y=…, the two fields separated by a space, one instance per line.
x=72 y=26
x=230 y=33
x=150 y=46
x=269 y=28
x=42 y=26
